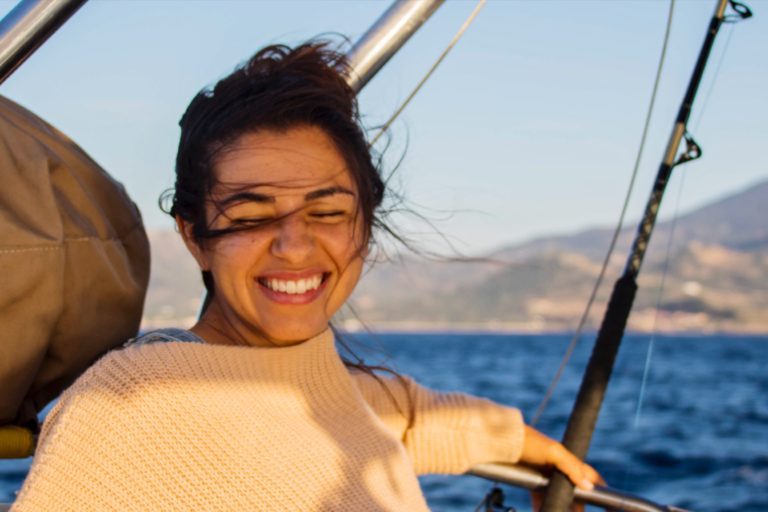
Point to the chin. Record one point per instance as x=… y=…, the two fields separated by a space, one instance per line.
x=287 y=334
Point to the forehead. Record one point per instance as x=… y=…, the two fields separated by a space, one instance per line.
x=297 y=159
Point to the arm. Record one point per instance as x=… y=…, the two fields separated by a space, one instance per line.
x=451 y=432
x=444 y=432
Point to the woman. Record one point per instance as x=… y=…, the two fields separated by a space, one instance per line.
x=276 y=198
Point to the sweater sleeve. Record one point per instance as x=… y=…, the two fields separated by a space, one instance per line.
x=444 y=432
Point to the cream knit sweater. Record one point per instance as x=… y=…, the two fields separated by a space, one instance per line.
x=184 y=426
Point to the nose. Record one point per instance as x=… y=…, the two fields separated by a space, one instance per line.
x=293 y=241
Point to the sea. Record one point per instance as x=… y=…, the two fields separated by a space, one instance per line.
x=684 y=421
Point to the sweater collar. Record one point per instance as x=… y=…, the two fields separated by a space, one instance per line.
x=307 y=360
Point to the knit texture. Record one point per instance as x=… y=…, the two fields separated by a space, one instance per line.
x=184 y=426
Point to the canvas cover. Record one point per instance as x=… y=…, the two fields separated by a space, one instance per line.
x=74 y=263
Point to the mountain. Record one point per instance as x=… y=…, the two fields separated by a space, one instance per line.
x=736 y=222
x=715 y=279
x=175 y=287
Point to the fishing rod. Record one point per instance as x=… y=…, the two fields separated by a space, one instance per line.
x=581 y=424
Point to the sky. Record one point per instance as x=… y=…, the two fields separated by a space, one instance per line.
x=530 y=127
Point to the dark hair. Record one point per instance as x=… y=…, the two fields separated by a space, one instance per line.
x=276 y=89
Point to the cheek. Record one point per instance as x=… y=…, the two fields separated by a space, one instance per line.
x=343 y=244
x=235 y=254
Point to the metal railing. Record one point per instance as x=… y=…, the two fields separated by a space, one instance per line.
x=605 y=497
x=27 y=26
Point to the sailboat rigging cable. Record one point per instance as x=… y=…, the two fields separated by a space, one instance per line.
x=619 y=225
x=429 y=72
x=583 y=418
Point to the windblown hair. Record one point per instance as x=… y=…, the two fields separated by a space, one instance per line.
x=277 y=89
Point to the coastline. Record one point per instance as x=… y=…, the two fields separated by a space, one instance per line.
x=514 y=329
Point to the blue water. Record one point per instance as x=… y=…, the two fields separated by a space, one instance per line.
x=700 y=442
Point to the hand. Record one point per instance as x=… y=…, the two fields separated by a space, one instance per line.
x=540 y=450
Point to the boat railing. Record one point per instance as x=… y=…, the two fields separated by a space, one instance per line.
x=605 y=497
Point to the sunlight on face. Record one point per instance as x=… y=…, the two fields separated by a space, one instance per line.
x=298 y=253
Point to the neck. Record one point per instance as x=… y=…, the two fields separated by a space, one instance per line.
x=217 y=328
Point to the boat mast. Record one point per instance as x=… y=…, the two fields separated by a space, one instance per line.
x=27 y=26
x=583 y=418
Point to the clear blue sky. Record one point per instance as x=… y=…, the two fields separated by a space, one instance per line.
x=530 y=126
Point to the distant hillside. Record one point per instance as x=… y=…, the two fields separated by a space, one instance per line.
x=716 y=279
x=736 y=222
x=175 y=287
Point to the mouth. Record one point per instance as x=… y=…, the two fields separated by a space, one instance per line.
x=296 y=290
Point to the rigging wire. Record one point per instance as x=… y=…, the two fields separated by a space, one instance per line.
x=585 y=315
x=429 y=72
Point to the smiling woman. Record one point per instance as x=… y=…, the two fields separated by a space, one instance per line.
x=294 y=249
x=253 y=409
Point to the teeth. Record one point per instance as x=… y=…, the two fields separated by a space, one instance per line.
x=294 y=287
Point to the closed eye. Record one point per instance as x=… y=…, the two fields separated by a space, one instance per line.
x=333 y=213
x=251 y=221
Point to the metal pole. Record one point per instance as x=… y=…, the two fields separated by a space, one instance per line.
x=386 y=37
x=583 y=418
x=604 y=497
x=28 y=26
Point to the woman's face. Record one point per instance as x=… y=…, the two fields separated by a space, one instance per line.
x=280 y=282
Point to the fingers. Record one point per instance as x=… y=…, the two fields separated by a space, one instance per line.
x=581 y=474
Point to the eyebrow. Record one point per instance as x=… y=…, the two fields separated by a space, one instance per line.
x=248 y=197
x=255 y=197
x=325 y=192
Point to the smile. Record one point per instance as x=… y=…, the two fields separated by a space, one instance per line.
x=293 y=287
x=286 y=289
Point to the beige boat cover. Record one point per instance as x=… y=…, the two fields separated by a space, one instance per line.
x=74 y=263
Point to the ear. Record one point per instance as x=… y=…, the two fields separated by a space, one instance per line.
x=185 y=230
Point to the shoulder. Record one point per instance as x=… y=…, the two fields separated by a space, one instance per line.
x=385 y=392
x=127 y=384
x=164 y=335
x=139 y=365
x=376 y=381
